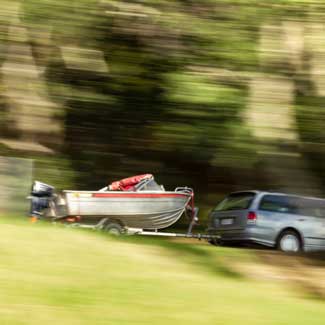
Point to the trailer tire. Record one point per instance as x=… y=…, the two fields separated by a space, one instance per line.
x=215 y=242
x=113 y=228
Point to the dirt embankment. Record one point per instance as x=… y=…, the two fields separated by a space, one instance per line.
x=304 y=273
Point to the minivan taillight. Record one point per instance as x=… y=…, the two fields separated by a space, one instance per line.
x=251 y=217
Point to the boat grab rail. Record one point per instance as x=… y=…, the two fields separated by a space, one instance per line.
x=185 y=189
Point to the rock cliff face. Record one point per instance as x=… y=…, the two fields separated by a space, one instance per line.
x=271 y=114
x=30 y=112
x=16 y=179
x=182 y=89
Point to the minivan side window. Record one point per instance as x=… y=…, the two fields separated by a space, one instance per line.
x=278 y=203
x=236 y=201
x=294 y=205
x=311 y=207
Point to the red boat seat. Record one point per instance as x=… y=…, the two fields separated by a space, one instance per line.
x=129 y=184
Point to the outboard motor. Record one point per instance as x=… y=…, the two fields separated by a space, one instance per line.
x=41 y=195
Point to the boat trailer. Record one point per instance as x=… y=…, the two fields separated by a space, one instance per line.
x=111 y=208
x=116 y=229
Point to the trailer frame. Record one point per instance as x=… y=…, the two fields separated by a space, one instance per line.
x=103 y=223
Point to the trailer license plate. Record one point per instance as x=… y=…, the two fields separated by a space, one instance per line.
x=227 y=221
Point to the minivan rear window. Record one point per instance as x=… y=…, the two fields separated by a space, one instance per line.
x=236 y=201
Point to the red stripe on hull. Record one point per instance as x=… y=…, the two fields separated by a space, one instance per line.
x=138 y=195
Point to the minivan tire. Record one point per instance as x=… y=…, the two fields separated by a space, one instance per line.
x=289 y=242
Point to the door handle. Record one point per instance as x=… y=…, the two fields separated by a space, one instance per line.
x=301 y=219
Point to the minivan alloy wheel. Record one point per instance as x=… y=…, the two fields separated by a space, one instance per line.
x=289 y=242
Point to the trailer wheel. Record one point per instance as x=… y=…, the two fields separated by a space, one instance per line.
x=113 y=228
x=215 y=242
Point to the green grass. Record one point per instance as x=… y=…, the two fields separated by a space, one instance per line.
x=55 y=275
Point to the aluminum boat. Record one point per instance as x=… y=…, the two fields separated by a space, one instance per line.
x=137 y=202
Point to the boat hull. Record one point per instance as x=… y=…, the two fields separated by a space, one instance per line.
x=146 y=210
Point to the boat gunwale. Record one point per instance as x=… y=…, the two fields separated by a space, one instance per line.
x=145 y=213
x=126 y=194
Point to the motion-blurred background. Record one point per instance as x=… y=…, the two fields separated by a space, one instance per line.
x=217 y=95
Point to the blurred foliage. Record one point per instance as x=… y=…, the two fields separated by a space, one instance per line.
x=163 y=87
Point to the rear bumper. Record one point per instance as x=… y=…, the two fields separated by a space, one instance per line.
x=247 y=235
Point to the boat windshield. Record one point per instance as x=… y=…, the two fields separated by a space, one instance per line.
x=150 y=185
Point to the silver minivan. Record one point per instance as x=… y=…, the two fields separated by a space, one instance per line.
x=290 y=223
